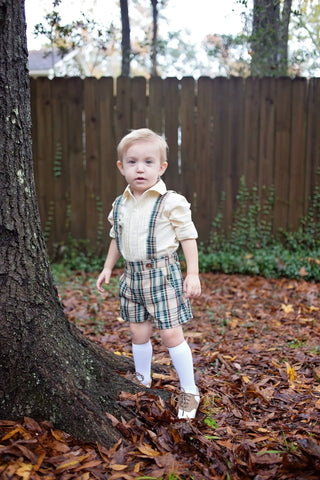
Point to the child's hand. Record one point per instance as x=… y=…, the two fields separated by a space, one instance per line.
x=104 y=277
x=192 y=286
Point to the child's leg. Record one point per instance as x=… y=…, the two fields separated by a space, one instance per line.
x=142 y=350
x=181 y=357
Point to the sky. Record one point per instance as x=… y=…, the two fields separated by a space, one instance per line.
x=200 y=17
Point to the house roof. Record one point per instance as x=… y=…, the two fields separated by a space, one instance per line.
x=43 y=59
x=46 y=62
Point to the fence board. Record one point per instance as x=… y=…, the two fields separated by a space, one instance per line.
x=282 y=153
x=91 y=110
x=312 y=141
x=61 y=171
x=156 y=104
x=123 y=107
x=123 y=117
x=251 y=130
x=220 y=199
x=217 y=146
x=43 y=152
x=188 y=141
x=266 y=141
x=138 y=99
x=204 y=163
x=107 y=151
x=75 y=136
x=171 y=108
x=236 y=159
x=297 y=165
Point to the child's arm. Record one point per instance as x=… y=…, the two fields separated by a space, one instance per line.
x=191 y=286
x=112 y=258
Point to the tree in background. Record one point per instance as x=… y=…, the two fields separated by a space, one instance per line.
x=305 y=39
x=135 y=45
x=148 y=47
x=125 y=42
x=269 y=39
x=156 y=50
x=48 y=369
x=228 y=52
x=96 y=42
x=154 y=43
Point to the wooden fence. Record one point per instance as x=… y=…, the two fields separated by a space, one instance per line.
x=218 y=130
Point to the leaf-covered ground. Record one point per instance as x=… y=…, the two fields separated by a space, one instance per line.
x=256 y=353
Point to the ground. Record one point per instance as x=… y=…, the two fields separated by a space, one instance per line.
x=256 y=352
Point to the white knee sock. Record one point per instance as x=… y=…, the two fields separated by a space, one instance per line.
x=142 y=356
x=181 y=357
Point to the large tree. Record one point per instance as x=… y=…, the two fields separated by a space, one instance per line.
x=48 y=369
x=269 y=40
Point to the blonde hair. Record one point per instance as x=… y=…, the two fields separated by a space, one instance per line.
x=142 y=134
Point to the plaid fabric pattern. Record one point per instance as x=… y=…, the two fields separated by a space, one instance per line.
x=152 y=288
x=154 y=293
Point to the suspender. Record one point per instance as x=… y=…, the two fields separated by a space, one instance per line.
x=116 y=220
x=151 y=238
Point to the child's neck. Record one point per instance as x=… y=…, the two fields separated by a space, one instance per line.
x=138 y=194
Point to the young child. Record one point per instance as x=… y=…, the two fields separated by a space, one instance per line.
x=148 y=223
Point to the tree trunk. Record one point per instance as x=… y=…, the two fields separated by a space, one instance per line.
x=48 y=369
x=125 y=42
x=284 y=37
x=154 y=47
x=269 y=39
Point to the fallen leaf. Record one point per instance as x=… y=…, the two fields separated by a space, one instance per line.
x=303 y=272
x=146 y=450
x=287 y=308
x=24 y=471
x=292 y=374
x=118 y=467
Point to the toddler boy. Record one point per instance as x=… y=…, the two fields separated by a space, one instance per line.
x=148 y=223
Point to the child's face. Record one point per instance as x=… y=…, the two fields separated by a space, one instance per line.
x=141 y=166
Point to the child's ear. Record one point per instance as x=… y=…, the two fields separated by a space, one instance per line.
x=163 y=168
x=120 y=167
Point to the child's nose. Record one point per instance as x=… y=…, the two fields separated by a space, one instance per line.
x=140 y=167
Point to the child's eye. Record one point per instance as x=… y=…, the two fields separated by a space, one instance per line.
x=131 y=162
x=148 y=162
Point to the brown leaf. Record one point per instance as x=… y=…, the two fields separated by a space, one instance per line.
x=117 y=466
x=146 y=450
x=309 y=446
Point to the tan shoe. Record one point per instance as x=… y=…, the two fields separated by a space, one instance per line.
x=188 y=404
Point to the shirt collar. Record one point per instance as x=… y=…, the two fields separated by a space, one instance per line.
x=159 y=187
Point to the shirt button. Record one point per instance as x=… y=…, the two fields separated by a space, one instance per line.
x=149 y=265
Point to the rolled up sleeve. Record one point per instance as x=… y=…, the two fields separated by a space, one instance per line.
x=112 y=232
x=178 y=210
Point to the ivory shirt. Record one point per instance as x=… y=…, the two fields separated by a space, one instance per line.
x=173 y=224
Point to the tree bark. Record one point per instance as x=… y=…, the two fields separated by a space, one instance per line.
x=154 y=46
x=284 y=37
x=270 y=37
x=125 y=42
x=48 y=369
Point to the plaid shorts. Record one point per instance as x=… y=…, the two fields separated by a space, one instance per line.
x=153 y=289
